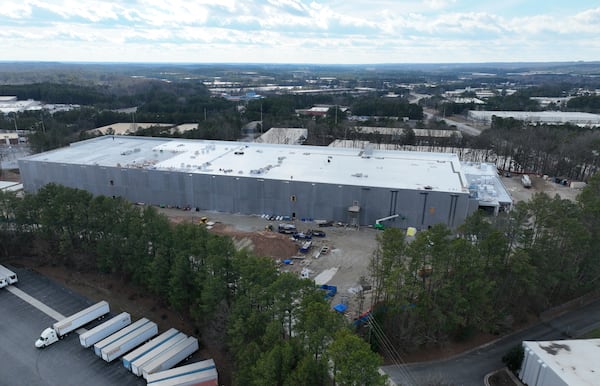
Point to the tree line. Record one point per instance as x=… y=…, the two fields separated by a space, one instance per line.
x=275 y=328
x=490 y=274
x=556 y=150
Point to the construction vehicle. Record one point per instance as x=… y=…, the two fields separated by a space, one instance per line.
x=379 y=222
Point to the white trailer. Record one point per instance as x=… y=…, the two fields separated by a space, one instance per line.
x=148 y=346
x=205 y=378
x=198 y=372
x=7 y=276
x=127 y=343
x=118 y=335
x=107 y=328
x=171 y=357
x=138 y=365
x=72 y=323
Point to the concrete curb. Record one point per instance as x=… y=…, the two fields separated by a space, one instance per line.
x=486 y=379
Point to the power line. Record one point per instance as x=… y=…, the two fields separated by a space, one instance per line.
x=408 y=378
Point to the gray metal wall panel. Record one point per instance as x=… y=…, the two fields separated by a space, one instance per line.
x=247 y=195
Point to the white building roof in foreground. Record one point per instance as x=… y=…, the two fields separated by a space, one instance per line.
x=359 y=167
x=575 y=362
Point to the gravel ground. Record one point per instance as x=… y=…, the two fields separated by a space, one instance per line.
x=539 y=185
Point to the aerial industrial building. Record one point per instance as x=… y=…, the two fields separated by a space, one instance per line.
x=355 y=186
x=543 y=117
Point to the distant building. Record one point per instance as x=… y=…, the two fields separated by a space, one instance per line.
x=547 y=101
x=561 y=363
x=10 y=104
x=10 y=138
x=315 y=111
x=251 y=95
x=125 y=128
x=284 y=136
x=11 y=186
x=543 y=117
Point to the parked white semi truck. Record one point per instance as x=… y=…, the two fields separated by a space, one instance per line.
x=71 y=323
x=7 y=277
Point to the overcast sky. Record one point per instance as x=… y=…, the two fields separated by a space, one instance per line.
x=300 y=31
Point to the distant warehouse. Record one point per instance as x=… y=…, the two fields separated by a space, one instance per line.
x=540 y=117
x=357 y=186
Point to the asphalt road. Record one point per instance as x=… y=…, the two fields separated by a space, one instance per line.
x=462 y=127
x=61 y=364
x=470 y=368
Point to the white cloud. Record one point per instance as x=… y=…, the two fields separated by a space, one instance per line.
x=15 y=10
x=334 y=31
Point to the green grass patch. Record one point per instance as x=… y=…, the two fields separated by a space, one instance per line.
x=594 y=334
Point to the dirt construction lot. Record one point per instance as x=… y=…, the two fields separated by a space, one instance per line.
x=350 y=250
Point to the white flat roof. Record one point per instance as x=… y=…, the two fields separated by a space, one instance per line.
x=316 y=164
x=483 y=179
x=555 y=116
x=574 y=361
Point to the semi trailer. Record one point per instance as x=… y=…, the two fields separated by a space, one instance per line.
x=200 y=373
x=71 y=323
x=127 y=343
x=138 y=365
x=107 y=328
x=147 y=347
x=171 y=357
x=117 y=335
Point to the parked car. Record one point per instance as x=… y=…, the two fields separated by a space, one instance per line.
x=302 y=236
x=316 y=233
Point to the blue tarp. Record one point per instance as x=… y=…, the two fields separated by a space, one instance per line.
x=330 y=290
x=340 y=307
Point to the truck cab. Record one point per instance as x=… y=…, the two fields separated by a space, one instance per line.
x=47 y=337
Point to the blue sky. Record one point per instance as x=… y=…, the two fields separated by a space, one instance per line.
x=299 y=31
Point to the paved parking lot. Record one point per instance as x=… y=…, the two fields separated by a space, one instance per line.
x=63 y=363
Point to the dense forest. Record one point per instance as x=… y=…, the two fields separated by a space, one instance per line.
x=493 y=275
x=276 y=329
